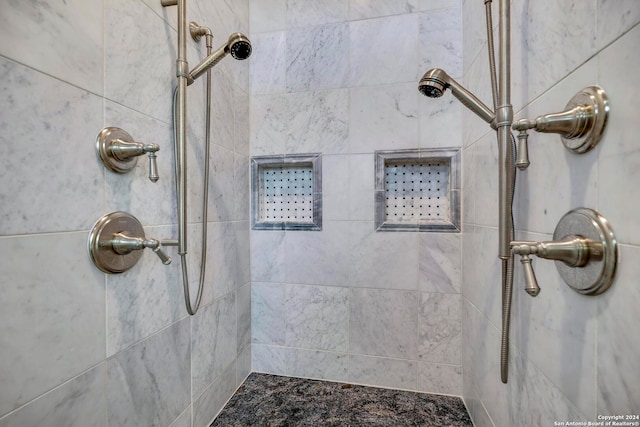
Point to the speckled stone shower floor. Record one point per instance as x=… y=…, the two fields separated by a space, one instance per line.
x=270 y=400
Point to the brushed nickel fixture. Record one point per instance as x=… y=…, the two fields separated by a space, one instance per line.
x=584 y=248
x=239 y=47
x=580 y=125
x=119 y=152
x=116 y=242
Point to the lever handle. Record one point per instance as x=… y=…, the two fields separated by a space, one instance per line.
x=531 y=283
x=522 y=161
x=118 y=151
x=123 y=245
x=153 y=168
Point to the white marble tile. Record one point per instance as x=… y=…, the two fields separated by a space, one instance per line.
x=318 y=121
x=133 y=192
x=384 y=50
x=243 y=365
x=548 y=41
x=363 y=9
x=385 y=260
x=241 y=188
x=222 y=111
x=221 y=185
x=441 y=41
x=300 y=363
x=440 y=328
x=301 y=13
x=361 y=187
x=139 y=70
x=317 y=317
x=149 y=383
x=618 y=347
x=440 y=379
x=268 y=63
x=619 y=157
x=384 y=323
x=268 y=313
x=184 y=420
x=80 y=402
x=242 y=117
x=54 y=125
x=268 y=124
x=383 y=372
x=268 y=257
x=477 y=81
x=439 y=122
x=210 y=403
x=437 y=4
x=319 y=257
x=561 y=338
x=59 y=39
x=474 y=31
x=144 y=299
x=383 y=118
x=440 y=268
x=243 y=317
x=335 y=175
x=213 y=342
x=468 y=186
x=614 y=18
x=52 y=309
x=221 y=259
x=242 y=250
x=267 y=15
x=486 y=182
x=317 y=57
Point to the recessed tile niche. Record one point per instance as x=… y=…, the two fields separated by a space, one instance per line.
x=286 y=192
x=418 y=190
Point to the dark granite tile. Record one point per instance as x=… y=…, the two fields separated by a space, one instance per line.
x=270 y=401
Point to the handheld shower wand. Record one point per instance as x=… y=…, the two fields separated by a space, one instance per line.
x=238 y=46
x=436 y=81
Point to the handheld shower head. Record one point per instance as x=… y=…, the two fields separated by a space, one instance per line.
x=436 y=81
x=238 y=46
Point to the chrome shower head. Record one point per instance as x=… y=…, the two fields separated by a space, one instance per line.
x=436 y=81
x=238 y=46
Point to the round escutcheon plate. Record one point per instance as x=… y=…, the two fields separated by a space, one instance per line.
x=99 y=243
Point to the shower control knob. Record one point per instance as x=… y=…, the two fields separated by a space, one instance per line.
x=116 y=243
x=119 y=152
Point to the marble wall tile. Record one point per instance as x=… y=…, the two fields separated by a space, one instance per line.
x=213 y=342
x=440 y=379
x=145 y=299
x=477 y=81
x=211 y=402
x=317 y=57
x=301 y=13
x=222 y=258
x=561 y=338
x=149 y=383
x=268 y=257
x=139 y=70
x=437 y=4
x=318 y=121
x=242 y=117
x=383 y=50
x=441 y=41
x=267 y=15
x=474 y=31
x=619 y=157
x=78 y=403
x=64 y=39
x=52 y=300
x=440 y=268
x=544 y=50
x=383 y=260
x=268 y=63
x=242 y=251
x=335 y=175
x=242 y=188
x=268 y=124
x=617 y=347
x=40 y=110
x=363 y=9
x=383 y=323
x=318 y=257
x=300 y=363
x=439 y=122
x=222 y=109
x=383 y=372
x=243 y=365
x=268 y=313
x=133 y=192
x=317 y=317
x=383 y=118
x=184 y=420
x=361 y=187
x=243 y=317
x=468 y=186
x=614 y=18
x=440 y=328
x=486 y=181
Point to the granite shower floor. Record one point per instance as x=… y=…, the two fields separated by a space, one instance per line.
x=271 y=400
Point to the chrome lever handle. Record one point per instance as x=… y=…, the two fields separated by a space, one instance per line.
x=522 y=162
x=118 y=151
x=531 y=283
x=153 y=167
x=123 y=245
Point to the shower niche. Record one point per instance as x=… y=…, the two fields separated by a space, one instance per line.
x=418 y=190
x=286 y=192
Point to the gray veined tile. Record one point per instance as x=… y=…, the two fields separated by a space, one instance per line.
x=440 y=328
x=301 y=13
x=440 y=263
x=267 y=313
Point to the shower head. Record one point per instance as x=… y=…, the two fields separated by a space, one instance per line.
x=436 y=81
x=238 y=46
